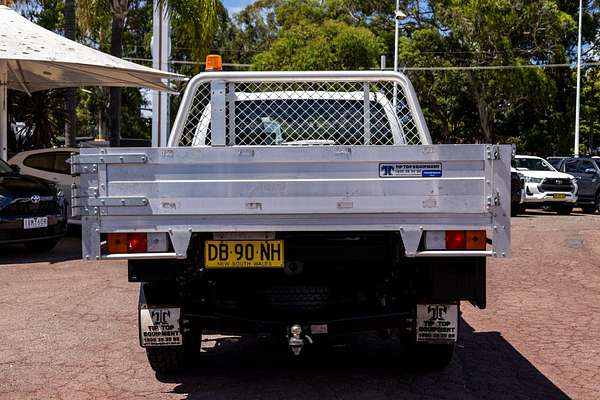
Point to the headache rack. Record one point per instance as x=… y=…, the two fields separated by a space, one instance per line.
x=299 y=108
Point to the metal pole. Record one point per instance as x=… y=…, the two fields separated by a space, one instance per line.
x=161 y=48
x=3 y=110
x=396 y=16
x=578 y=95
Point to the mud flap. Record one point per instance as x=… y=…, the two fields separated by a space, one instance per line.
x=159 y=322
x=437 y=323
x=160 y=327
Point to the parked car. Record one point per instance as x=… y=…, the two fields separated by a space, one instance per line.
x=545 y=186
x=517 y=192
x=587 y=173
x=32 y=210
x=51 y=165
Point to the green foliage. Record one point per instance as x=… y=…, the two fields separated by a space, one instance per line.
x=332 y=45
x=488 y=33
x=194 y=23
x=43 y=116
x=590 y=109
x=533 y=108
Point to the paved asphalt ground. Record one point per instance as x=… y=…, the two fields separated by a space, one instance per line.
x=68 y=330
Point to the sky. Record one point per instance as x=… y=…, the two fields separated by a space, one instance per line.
x=234 y=6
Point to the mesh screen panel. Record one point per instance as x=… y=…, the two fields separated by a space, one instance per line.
x=302 y=113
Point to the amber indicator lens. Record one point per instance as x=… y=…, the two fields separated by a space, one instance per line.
x=117 y=243
x=476 y=240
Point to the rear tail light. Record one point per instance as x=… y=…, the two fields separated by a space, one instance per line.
x=455 y=240
x=137 y=242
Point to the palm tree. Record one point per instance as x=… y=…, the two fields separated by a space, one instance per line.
x=119 y=13
x=197 y=17
x=71 y=106
x=197 y=20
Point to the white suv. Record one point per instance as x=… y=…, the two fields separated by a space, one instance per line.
x=545 y=186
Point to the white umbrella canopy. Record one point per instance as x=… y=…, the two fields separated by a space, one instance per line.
x=33 y=58
x=39 y=59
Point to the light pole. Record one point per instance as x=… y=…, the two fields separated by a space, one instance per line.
x=578 y=95
x=161 y=49
x=398 y=15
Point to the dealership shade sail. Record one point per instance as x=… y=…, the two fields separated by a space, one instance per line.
x=38 y=59
x=33 y=58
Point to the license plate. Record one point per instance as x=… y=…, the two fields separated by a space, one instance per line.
x=38 y=222
x=243 y=254
x=437 y=322
x=559 y=196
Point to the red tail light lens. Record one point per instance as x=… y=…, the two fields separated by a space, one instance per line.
x=456 y=240
x=137 y=242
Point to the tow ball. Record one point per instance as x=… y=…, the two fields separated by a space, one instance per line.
x=297 y=340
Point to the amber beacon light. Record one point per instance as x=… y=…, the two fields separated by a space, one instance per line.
x=214 y=62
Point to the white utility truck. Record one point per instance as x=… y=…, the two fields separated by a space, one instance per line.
x=298 y=204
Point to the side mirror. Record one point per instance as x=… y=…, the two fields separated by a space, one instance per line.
x=591 y=171
x=15 y=168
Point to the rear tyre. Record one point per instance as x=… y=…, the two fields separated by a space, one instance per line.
x=169 y=360
x=588 y=208
x=592 y=208
x=165 y=360
x=564 y=210
x=41 y=246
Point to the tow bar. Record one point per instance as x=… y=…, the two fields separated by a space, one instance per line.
x=297 y=340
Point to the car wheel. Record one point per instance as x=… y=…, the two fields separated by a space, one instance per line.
x=596 y=206
x=41 y=246
x=168 y=360
x=589 y=208
x=564 y=210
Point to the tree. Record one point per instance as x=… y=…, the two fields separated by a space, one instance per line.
x=193 y=21
x=251 y=32
x=590 y=110
x=71 y=106
x=493 y=33
x=332 y=45
x=119 y=10
x=42 y=115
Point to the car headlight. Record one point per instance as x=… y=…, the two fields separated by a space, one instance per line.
x=533 y=180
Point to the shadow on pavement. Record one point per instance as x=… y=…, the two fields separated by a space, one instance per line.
x=485 y=365
x=69 y=248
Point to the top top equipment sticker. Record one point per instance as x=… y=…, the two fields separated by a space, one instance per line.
x=410 y=170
